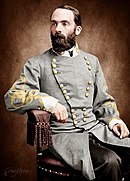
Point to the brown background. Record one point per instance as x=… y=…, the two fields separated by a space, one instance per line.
x=24 y=32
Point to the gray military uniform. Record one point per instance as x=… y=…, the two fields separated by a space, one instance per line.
x=78 y=83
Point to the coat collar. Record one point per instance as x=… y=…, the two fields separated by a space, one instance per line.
x=66 y=53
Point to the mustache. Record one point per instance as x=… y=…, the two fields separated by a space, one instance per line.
x=59 y=35
x=61 y=43
x=59 y=39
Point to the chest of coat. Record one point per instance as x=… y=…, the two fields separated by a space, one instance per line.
x=69 y=79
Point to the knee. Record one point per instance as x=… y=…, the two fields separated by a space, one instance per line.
x=112 y=159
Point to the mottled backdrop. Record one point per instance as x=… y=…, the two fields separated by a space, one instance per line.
x=24 y=32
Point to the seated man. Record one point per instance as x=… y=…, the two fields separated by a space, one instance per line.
x=68 y=82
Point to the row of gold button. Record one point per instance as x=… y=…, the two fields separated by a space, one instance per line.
x=84 y=114
x=88 y=63
x=89 y=82
x=64 y=91
x=54 y=66
x=74 y=116
x=61 y=85
x=44 y=109
x=88 y=89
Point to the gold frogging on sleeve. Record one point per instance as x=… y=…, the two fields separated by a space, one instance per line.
x=20 y=96
x=23 y=97
x=21 y=82
x=111 y=104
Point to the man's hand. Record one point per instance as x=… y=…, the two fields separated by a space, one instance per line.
x=121 y=130
x=60 y=112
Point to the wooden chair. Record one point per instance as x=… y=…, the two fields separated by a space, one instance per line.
x=48 y=165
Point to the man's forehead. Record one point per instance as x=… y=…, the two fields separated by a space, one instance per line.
x=62 y=14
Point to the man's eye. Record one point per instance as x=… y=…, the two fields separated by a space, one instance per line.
x=65 y=24
x=53 y=24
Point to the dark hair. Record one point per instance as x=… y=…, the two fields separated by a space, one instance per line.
x=77 y=17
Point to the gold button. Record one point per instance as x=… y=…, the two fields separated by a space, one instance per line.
x=61 y=85
x=87 y=63
x=67 y=97
x=87 y=94
x=85 y=57
x=74 y=116
x=64 y=91
x=77 y=50
x=88 y=88
x=75 y=122
x=89 y=82
x=84 y=109
x=53 y=65
x=55 y=71
x=39 y=108
x=85 y=114
x=49 y=110
x=72 y=110
x=84 y=119
x=54 y=60
x=61 y=53
x=89 y=67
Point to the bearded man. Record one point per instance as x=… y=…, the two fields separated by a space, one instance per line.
x=87 y=132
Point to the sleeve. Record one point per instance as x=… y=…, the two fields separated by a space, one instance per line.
x=114 y=122
x=25 y=93
x=104 y=105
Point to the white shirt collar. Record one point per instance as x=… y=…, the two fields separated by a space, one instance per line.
x=66 y=53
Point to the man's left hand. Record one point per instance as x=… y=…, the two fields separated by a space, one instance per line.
x=121 y=130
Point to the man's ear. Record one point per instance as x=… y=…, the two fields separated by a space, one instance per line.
x=78 y=30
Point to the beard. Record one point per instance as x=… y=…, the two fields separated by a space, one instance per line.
x=60 y=43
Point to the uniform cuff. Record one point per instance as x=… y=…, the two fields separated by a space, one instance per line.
x=115 y=121
x=49 y=103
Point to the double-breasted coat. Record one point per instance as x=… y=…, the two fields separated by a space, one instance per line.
x=78 y=83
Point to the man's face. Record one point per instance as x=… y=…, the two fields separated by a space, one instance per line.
x=62 y=21
x=62 y=30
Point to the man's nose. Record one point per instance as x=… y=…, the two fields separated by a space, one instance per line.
x=59 y=28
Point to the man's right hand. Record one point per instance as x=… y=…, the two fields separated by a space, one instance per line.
x=60 y=112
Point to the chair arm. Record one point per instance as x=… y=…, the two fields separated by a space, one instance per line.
x=38 y=128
